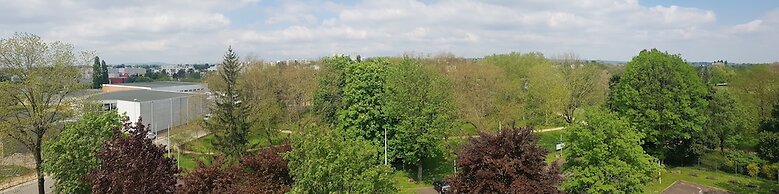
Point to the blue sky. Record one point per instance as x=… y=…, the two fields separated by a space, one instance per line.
x=181 y=31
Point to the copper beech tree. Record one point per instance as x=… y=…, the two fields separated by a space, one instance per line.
x=266 y=172
x=508 y=162
x=132 y=163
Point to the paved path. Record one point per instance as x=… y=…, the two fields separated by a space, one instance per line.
x=684 y=187
x=30 y=187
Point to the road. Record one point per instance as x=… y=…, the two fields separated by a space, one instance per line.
x=30 y=187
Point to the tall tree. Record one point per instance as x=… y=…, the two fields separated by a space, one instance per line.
x=97 y=74
x=363 y=97
x=724 y=121
x=262 y=83
x=663 y=97
x=586 y=84
x=507 y=162
x=72 y=155
x=103 y=72
x=419 y=103
x=132 y=163
x=327 y=161
x=328 y=98
x=230 y=123
x=42 y=75
x=605 y=156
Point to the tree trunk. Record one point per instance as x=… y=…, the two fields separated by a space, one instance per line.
x=38 y=165
x=419 y=170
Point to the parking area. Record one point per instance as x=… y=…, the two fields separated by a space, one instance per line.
x=682 y=187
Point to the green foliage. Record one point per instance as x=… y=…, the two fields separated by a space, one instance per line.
x=419 y=103
x=724 y=122
x=97 y=74
x=329 y=96
x=737 y=161
x=327 y=161
x=605 y=156
x=768 y=146
x=753 y=169
x=71 y=156
x=770 y=170
x=663 y=98
x=36 y=99
x=230 y=123
x=363 y=97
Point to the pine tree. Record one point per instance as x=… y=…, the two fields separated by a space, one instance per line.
x=229 y=124
x=96 y=74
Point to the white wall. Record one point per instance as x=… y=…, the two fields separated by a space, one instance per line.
x=130 y=108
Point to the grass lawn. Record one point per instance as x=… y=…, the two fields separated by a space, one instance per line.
x=10 y=171
x=713 y=179
x=204 y=145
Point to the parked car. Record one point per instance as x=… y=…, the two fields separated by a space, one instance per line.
x=441 y=187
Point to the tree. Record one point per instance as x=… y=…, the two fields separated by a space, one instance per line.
x=363 y=96
x=217 y=177
x=724 y=121
x=327 y=161
x=768 y=146
x=132 y=163
x=604 y=155
x=508 y=162
x=420 y=103
x=230 y=123
x=104 y=73
x=586 y=84
x=265 y=172
x=72 y=155
x=263 y=86
x=663 y=97
x=97 y=74
x=328 y=98
x=42 y=75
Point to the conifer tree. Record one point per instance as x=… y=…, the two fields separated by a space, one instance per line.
x=103 y=73
x=97 y=74
x=229 y=123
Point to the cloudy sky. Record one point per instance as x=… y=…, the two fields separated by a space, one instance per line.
x=182 y=31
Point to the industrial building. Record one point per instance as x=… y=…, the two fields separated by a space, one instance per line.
x=187 y=87
x=163 y=105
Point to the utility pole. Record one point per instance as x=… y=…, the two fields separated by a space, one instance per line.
x=385 y=146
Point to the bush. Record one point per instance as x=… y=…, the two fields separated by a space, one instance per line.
x=753 y=169
x=738 y=161
x=769 y=171
x=768 y=146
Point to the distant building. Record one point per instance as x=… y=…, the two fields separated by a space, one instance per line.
x=125 y=72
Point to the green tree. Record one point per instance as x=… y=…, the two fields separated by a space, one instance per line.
x=327 y=161
x=103 y=72
x=724 y=122
x=97 y=74
x=586 y=84
x=43 y=75
x=363 y=96
x=72 y=155
x=420 y=104
x=230 y=122
x=329 y=96
x=604 y=155
x=663 y=97
x=768 y=146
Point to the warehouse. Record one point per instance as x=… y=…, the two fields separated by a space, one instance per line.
x=158 y=86
x=161 y=109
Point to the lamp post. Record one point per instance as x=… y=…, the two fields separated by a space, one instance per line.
x=385 y=146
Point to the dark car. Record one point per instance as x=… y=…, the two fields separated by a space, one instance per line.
x=441 y=187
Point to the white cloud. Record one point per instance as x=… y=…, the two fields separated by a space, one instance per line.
x=191 y=31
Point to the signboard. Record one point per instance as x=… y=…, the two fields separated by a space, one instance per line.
x=559 y=146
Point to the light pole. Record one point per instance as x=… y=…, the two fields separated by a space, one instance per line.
x=385 y=146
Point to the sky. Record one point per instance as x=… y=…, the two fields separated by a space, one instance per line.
x=184 y=31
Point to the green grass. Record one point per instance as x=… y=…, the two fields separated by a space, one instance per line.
x=205 y=145
x=549 y=139
x=10 y=171
x=722 y=181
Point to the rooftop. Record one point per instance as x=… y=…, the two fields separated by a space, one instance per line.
x=157 y=84
x=141 y=95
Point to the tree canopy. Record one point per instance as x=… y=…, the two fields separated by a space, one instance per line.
x=507 y=162
x=230 y=122
x=604 y=155
x=663 y=97
x=72 y=155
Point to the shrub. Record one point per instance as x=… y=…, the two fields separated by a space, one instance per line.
x=753 y=169
x=768 y=146
x=769 y=170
